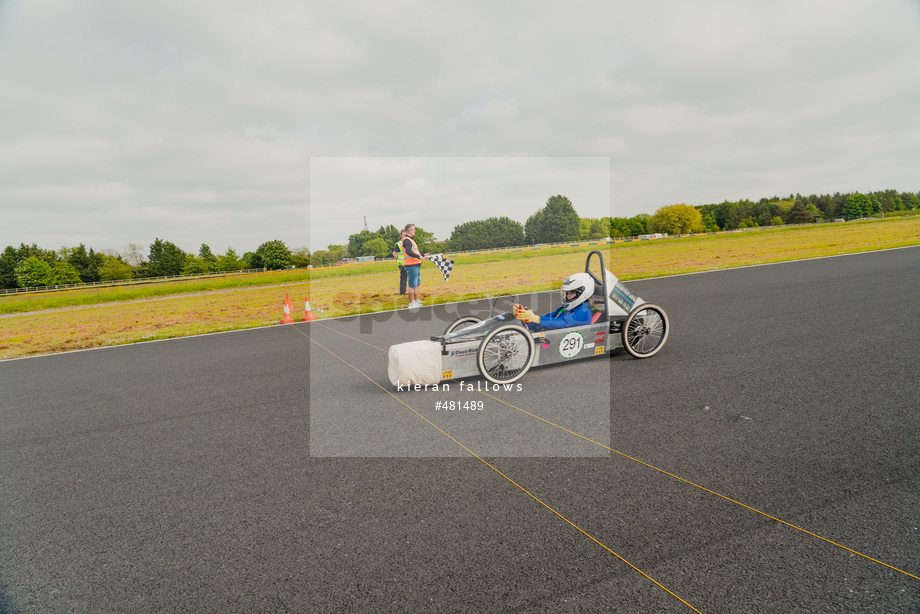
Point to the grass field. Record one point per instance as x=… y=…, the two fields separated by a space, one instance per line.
x=77 y=319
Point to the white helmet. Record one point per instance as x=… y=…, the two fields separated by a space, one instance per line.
x=583 y=284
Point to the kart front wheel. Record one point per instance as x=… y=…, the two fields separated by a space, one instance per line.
x=506 y=354
x=645 y=330
x=461 y=323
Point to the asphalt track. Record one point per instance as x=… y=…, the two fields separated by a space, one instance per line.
x=767 y=460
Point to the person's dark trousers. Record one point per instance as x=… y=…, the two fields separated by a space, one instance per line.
x=402 y=280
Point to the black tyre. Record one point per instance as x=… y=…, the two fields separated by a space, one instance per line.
x=506 y=354
x=461 y=323
x=645 y=330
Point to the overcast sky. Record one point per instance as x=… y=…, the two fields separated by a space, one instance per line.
x=437 y=193
x=206 y=122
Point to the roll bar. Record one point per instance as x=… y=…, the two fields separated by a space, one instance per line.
x=599 y=283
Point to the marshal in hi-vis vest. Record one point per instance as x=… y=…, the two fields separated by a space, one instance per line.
x=409 y=261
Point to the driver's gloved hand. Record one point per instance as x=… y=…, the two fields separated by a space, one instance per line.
x=525 y=315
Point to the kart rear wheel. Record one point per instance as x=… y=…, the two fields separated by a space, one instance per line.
x=506 y=354
x=461 y=323
x=645 y=330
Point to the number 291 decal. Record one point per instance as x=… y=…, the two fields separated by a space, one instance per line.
x=571 y=344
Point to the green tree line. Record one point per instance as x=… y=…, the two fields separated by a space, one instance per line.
x=29 y=266
x=556 y=222
x=776 y=211
x=798 y=209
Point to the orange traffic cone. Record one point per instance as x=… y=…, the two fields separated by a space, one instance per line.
x=307 y=314
x=287 y=319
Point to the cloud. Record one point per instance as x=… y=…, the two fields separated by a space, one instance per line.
x=437 y=194
x=197 y=122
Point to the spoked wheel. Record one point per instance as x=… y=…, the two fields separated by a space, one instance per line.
x=645 y=330
x=506 y=354
x=461 y=323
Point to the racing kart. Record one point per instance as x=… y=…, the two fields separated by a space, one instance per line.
x=502 y=349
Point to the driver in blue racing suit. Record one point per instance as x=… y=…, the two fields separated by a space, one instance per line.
x=575 y=310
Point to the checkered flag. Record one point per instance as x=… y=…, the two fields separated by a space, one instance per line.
x=445 y=264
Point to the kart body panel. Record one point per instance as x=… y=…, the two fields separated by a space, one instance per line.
x=459 y=350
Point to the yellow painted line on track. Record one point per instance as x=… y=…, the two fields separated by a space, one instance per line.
x=496 y=470
x=350 y=337
x=704 y=489
x=676 y=477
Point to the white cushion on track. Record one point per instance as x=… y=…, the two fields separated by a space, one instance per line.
x=415 y=362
